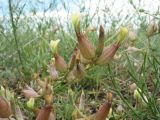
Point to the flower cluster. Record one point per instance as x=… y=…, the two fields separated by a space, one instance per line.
x=85 y=54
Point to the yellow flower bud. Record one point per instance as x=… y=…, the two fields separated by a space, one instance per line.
x=75 y=19
x=137 y=95
x=54 y=45
x=122 y=34
x=30 y=103
x=110 y=113
x=2 y=89
x=142 y=99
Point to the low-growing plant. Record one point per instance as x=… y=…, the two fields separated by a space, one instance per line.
x=84 y=57
x=88 y=78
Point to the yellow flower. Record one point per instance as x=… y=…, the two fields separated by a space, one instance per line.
x=30 y=103
x=122 y=34
x=140 y=97
x=75 y=19
x=54 y=45
x=137 y=94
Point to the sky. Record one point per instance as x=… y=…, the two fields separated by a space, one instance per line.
x=119 y=8
x=149 y=5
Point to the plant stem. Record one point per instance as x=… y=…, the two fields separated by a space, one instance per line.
x=14 y=31
x=115 y=85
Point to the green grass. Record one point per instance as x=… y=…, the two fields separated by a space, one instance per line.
x=29 y=53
